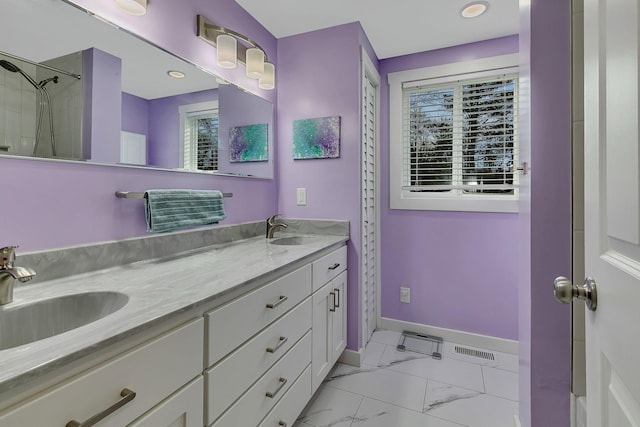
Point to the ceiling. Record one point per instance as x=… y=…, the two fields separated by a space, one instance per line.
x=394 y=27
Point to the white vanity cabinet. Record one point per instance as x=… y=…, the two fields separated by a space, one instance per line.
x=329 y=313
x=154 y=371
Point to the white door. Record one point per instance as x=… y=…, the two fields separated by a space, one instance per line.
x=369 y=107
x=612 y=211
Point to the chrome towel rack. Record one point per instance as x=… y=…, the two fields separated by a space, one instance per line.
x=140 y=194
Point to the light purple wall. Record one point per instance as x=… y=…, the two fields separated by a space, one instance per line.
x=546 y=336
x=319 y=75
x=135 y=114
x=58 y=204
x=238 y=108
x=456 y=263
x=164 y=126
x=102 y=105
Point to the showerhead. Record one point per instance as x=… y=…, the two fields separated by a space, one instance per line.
x=50 y=79
x=9 y=66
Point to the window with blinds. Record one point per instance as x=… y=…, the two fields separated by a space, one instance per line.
x=200 y=127
x=460 y=137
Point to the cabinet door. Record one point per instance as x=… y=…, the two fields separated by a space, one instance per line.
x=322 y=329
x=339 y=316
x=183 y=409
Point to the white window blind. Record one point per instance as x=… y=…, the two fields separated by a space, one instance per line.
x=460 y=137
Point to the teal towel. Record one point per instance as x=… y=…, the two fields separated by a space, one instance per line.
x=169 y=210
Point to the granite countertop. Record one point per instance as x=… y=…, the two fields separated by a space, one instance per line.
x=157 y=290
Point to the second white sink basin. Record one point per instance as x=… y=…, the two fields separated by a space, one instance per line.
x=25 y=323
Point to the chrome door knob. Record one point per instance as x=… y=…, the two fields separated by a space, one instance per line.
x=565 y=291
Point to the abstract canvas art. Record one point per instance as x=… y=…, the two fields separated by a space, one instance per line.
x=248 y=143
x=316 y=138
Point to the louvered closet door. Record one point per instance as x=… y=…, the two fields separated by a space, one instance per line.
x=369 y=221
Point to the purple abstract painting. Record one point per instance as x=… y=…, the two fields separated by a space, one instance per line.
x=316 y=138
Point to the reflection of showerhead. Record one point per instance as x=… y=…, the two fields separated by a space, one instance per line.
x=9 y=66
x=45 y=81
x=14 y=69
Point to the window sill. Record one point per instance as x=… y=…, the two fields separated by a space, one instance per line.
x=467 y=203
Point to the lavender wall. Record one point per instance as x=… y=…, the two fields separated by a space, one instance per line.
x=456 y=263
x=164 y=126
x=319 y=75
x=135 y=114
x=546 y=333
x=58 y=204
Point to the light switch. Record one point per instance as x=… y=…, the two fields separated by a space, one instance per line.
x=302 y=196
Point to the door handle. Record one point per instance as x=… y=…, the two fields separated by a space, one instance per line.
x=565 y=292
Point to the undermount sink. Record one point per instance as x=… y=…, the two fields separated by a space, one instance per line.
x=25 y=323
x=293 y=240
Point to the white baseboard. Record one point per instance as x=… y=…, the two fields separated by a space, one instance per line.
x=475 y=340
x=352 y=357
x=516 y=421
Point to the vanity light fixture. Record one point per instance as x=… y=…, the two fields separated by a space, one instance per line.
x=233 y=47
x=134 y=7
x=268 y=79
x=175 y=74
x=475 y=9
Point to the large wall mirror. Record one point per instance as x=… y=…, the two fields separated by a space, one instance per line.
x=78 y=88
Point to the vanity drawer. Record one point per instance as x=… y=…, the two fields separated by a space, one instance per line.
x=235 y=374
x=234 y=323
x=285 y=413
x=255 y=403
x=328 y=267
x=153 y=371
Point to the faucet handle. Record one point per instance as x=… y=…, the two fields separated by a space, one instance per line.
x=7 y=256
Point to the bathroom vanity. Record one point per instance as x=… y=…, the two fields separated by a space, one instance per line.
x=233 y=334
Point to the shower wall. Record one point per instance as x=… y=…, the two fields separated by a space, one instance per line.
x=20 y=105
x=18 y=111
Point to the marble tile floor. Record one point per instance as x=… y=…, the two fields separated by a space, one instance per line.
x=407 y=389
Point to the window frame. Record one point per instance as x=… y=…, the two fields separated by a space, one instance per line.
x=456 y=201
x=186 y=112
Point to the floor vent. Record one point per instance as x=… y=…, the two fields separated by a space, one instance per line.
x=472 y=352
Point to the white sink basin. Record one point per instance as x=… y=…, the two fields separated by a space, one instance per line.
x=25 y=323
x=294 y=240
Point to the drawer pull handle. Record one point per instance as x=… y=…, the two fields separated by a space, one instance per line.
x=277 y=303
x=333 y=294
x=273 y=394
x=334 y=266
x=337 y=292
x=282 y=423
x=280 y=344
x=127 y=396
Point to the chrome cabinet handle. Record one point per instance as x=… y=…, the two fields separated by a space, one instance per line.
x=280 y=344
x=277 y=303
x=273 y=394
x=334 y=266
x=127 y=396
x=338 y=293
x=333 y=294
x=282 y=423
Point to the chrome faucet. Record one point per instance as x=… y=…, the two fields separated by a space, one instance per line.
x=273 y=223
x=9 y=273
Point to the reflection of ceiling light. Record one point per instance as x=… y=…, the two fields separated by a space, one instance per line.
x=176 y=74
x=475 y=9
x=134 y=7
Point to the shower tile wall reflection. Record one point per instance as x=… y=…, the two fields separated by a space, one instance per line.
x=407 y=389
x=18 y=102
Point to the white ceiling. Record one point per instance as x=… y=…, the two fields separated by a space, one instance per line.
x=394 y=27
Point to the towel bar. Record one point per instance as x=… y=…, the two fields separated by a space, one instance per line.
x=140 y=194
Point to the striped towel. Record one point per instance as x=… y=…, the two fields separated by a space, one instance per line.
x=169 y=210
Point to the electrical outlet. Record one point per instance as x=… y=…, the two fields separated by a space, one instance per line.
x=301 y=196
x=405 y=295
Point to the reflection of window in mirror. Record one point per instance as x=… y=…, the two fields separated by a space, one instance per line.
x=199 y=129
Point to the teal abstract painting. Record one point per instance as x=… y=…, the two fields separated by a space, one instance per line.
x=248 y=143
x=316 y=138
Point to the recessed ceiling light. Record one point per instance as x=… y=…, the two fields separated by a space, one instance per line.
x=176 y=74
x=475 y=9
